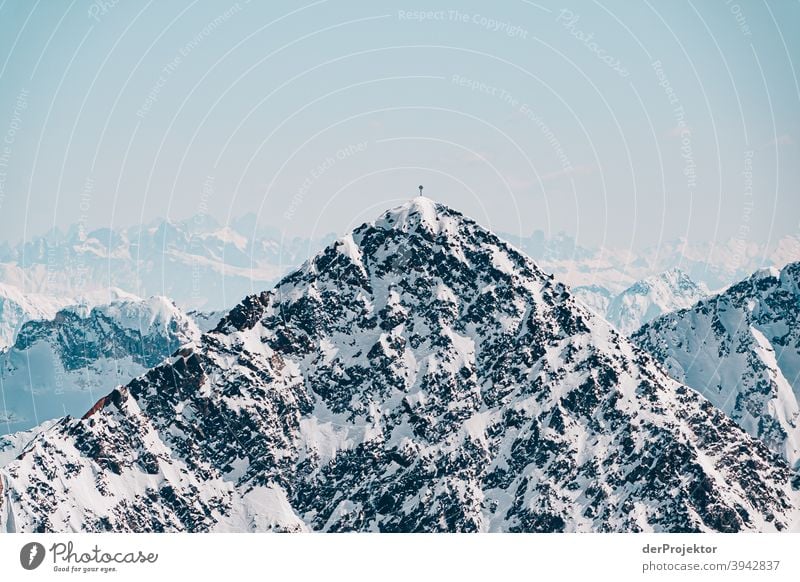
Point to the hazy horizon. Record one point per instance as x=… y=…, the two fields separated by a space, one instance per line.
x=200 y=222
x=620 y=125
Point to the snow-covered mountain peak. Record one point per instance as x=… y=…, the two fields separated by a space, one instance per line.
x=419 y=214
x=675 y=274
x=674 y=278
x=647 y=299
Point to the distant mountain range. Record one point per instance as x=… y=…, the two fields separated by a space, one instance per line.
x=710 y=265
x=197 y=262
x=418 y=374
x=201 y=264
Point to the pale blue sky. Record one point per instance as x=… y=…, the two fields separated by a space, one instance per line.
x=524 y=115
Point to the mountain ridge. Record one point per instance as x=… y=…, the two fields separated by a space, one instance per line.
x=741 y=349
x=418 y=374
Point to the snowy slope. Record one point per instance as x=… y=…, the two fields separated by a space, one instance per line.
x=417 y=375
x=13 y=444
x=741 y=349
x=63 y=365
x=595 y=297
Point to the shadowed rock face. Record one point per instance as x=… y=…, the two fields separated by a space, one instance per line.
x=416 y=375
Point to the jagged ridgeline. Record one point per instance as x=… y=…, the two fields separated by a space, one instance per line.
x=417 y=375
